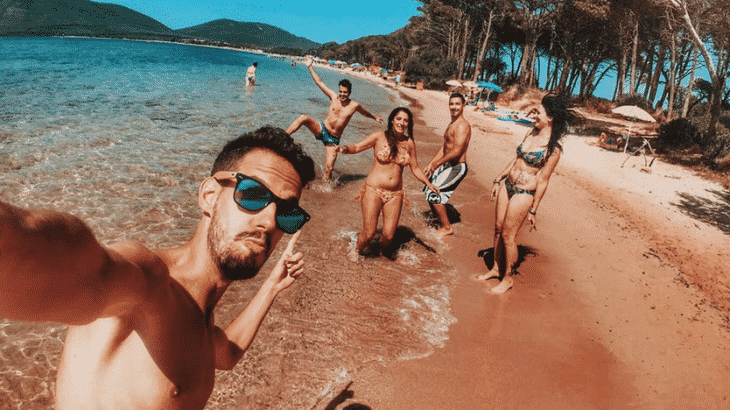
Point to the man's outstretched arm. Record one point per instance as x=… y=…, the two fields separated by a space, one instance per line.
x=52 y=269
x=318 y=80
x=232 y=343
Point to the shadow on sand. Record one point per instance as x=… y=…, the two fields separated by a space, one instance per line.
x=345 y=395
x=714 y=212
x=345 y=179
x=522 y=253
x=403 y=235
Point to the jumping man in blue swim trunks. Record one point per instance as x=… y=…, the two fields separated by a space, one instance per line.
x=448 y=167
x=329 y=131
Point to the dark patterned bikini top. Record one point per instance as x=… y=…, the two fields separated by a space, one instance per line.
x=402 y=158
x=535 y=159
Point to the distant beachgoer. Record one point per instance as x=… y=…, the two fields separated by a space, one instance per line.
x=251 y=74
x=397 y=80
x=526 y=179
x=142 y=333
x=383 y=192
x=448 y=167
x=329 y=131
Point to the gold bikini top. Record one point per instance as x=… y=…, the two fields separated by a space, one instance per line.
x=402 y=158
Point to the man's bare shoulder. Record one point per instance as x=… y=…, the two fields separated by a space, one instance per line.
x=462 y=125
x=137 y=253
x=152 y=263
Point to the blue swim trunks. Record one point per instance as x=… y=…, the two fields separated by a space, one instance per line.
x=446 y=177
x=326 y=137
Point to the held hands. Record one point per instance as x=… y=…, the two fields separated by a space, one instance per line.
x=289 y=267
x=433 y=188
x=428 y=170
x=343 y=149
x=378 y=119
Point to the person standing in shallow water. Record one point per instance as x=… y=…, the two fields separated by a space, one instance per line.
x=142 y=332
x=519 y=189
x=448 y=167
x=251 y=74
x=383 y=192
x=329 y=131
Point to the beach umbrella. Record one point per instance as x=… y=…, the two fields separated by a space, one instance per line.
x=383 y=70
x=454 y=83
x=333 y=62
x=632 y=111
x=471 y=84
x=490 y=86
x=356 y=65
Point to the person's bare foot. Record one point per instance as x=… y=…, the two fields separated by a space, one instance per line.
x=492 y=274
x=353 y=256
x=444 y=232
x=504 y=286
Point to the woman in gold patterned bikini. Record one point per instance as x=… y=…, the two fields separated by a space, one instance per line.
x=383 y=190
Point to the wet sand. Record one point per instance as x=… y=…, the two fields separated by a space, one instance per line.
x=598 y=318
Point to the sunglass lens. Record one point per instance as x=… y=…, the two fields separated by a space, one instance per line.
x=251 y=195
x=291 y=220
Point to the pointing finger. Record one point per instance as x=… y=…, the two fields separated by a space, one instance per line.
x=290 y=247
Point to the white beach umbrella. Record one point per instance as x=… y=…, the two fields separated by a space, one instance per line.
x=454 y=83
x=632 y=111
x=471 y=84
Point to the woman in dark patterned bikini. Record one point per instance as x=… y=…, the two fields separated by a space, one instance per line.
x=525 y=180
x=383 y=189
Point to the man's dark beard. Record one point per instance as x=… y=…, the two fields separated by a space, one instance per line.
x=231 y=267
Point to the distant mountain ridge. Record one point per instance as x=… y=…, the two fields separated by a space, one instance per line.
x=260 y=34
x=77 y=17
x=88 y=18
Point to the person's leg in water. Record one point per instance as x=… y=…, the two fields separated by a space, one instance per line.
x=316 y=128
x=445 y=228
x=308 y=122
x=516 y=214
x=371 y=205
x=330 y=155
x=391 y=216
x=500 y=212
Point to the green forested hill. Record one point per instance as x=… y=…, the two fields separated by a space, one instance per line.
x=75 y=18
x=259 y=34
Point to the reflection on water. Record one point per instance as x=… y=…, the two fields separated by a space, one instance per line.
x=121 y=133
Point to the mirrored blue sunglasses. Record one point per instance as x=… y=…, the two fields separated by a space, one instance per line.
x=253 y=196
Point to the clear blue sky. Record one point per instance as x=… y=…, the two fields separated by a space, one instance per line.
x=321 y=21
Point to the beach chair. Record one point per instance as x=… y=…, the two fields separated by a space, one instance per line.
x=644 y=149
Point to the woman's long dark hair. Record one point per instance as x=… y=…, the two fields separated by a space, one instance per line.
x=556 y=107
x=389 y=132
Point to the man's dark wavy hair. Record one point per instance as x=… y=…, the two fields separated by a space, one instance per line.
x=347 y=84
x=272 y=138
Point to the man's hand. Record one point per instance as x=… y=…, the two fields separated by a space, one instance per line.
x=429 y=170
x=308 y=61
x=289 y=267
x=378 y=119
